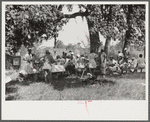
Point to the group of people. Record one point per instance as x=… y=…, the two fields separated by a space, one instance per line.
x=75 y=62
x=124 y=63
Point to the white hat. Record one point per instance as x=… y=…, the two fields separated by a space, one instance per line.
x=44 y=35
x=120 y=55
x=72 y=53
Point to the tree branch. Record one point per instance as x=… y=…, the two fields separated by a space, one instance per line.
x=82 y=14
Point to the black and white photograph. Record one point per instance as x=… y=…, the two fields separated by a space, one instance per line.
x=81 y=52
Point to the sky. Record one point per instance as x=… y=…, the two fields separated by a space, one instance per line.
x=76 y=30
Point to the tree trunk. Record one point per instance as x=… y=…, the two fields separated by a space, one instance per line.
x=94 y=45
x=108 y=39
x=144 y=51
x=127 y=37
x=94 y=38
x=129 y=23
x=55 y=41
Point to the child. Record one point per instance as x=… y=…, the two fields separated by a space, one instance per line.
x=141 y=62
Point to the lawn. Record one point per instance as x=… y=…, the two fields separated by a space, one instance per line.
x=126 y=87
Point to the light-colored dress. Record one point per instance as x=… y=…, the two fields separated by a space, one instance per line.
x=57 y=68
x=141 y=63
x=67 y=62
x=74 y=60
x=79 y=65
x=103 y=62
x=120 y=55
x=133 y=65
x=28 y=65
x=112 y=65
x=92 y=63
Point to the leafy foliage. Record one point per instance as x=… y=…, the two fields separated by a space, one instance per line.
x=26 y=23
x=59 y=44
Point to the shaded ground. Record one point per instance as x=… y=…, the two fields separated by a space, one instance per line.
x=126 y=87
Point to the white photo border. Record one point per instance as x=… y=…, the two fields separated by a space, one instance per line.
x=71 y=110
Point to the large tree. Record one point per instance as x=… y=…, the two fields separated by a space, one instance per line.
x=25 y=23
x=135 y=21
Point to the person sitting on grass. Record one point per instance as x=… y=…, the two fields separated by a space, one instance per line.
x=112 y=65
x=120 y=55
x=133 y=65
x=141 y=62
x=121 y=63
x=126 y=55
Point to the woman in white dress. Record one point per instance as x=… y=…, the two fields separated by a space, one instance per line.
x=28 y=65
x=103 y=63
x=92 y=63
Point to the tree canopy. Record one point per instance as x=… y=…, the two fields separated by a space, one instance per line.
x=26 y=23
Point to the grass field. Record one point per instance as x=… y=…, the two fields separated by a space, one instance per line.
x=126 y=87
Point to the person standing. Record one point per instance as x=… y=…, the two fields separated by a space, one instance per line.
x=99 y=58
x=121 y=63
x=126 y=55
x=141 y=62
x=103 y=62
x=28 y=64
x=48 y=58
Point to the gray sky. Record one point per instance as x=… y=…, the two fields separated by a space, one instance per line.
x=74 y=31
